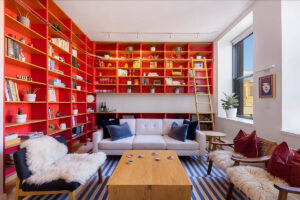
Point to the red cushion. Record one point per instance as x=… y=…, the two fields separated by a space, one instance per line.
x=294 y=169
x=247 y=145
x=281 y=165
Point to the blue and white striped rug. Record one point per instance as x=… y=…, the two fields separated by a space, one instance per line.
x=213 y=187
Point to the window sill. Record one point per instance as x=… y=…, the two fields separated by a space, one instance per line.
x=238 y=119
x=295 y=133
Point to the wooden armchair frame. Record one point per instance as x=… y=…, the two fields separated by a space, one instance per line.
x=283 y=190
x=267 y=149
x=20 y=193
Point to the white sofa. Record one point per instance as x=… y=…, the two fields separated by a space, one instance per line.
x=150 y=134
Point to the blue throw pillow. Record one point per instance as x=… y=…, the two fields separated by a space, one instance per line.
x=118 y=132
x=179 y=132
x=105 y=123
x=193 y=125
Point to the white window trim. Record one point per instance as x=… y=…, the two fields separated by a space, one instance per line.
x=242 y=36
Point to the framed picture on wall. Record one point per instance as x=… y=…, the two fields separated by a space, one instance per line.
x=267 y=86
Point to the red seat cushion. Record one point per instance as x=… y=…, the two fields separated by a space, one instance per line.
x=247 y=145
x=285 y=164
x=294 y=165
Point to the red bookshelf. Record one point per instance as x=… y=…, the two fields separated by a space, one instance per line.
x=136 y=66
x=40 y=46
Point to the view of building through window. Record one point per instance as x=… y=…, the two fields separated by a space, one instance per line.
x=243 y=75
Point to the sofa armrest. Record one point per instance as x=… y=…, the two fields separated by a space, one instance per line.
x=201 y=139
x=97 y=137
x=287 y=189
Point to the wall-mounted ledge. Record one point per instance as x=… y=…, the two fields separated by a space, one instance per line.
x=294 y=133
x=237 y=119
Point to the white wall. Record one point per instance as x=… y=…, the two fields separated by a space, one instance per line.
x=267 y=51
x=290 y=61
x=149 y=103
x=1 y=92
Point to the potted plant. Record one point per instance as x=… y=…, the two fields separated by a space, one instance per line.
x=152 y=89
x=106 y=55
x=198 y=56
x=30 y=95
x=129 y=89
x=152 y=48
x=229 y=105
x=20 y=117
x=176 y=90
x=23 y=18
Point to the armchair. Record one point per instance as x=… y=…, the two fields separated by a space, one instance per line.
x=225 y=158
x=44 y=166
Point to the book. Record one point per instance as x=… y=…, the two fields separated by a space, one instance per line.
x=17 y=91
x=7 y=96
x=31 y=135
x=11 y=88
x=10 y=136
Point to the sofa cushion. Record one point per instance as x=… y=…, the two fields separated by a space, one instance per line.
x=149 y=127
x=173 y=144
x=193 y=125
x=105 y=123
x=131 y=123
x=149 y=142
x=167 y=124
x=179 y=132
x=118 y=132
x=22 y=169
x=121 y=144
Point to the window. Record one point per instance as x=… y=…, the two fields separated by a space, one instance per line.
x=243 y=75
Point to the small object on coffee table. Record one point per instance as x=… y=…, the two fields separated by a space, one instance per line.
x=129 y=162
x=170 y=157
x=154 y=153
x=141 y=156
x=157 y=159
x=129 y=156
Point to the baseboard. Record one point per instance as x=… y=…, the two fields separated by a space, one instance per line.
x=3 y=197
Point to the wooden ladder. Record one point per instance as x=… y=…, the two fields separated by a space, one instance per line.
x=197 y=94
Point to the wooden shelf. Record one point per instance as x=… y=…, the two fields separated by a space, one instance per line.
x=12 y=143
x=63 y=117
x=26 y=47
x=58 y=49
x=26 y=123
x=25 y=81
x=59 y=102
x=57 y=131
x=26 y=102
x=22 y=64
x=53 y=73
x=58 y=87
x=59 y=61
x=19 y=27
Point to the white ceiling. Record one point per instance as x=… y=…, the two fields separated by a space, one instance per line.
x=153 y=20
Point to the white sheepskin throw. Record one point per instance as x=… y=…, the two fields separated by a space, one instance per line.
x=256 y=183
x=222 y=158
x=42 y=152
x=72 y=167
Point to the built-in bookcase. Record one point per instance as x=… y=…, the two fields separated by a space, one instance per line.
x=166 y=69
x=36 y=56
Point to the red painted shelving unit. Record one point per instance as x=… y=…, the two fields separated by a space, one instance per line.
x=37 y=53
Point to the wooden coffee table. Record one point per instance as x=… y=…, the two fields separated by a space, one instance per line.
x=148 y=179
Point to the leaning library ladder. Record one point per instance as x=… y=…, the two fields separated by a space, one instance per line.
x=202 y=97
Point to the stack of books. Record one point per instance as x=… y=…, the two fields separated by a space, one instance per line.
x=13 y=49
x=61 y=43
x=11 y=91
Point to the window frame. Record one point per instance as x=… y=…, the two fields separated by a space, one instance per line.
x=235 y=68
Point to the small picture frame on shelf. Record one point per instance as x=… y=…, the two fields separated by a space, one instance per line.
x=156 y=82
x=267 y=87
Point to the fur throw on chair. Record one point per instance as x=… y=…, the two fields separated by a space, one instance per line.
x=222 y=158
x=48 y=161
x=256 y=183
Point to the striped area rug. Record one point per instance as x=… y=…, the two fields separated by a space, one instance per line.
x=213 y=187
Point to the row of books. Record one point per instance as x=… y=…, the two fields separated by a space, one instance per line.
x=51 y=50
x=11 y=91
x=61 y=43
x=13 y=49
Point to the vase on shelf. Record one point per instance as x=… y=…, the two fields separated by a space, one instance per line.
x=30 y=97
x=24 y=20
